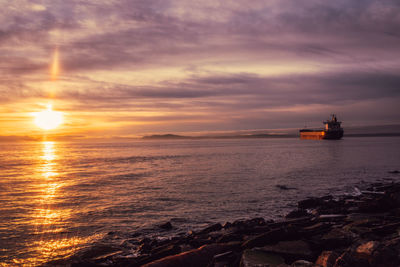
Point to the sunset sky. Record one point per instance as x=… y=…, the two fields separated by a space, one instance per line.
x=129 y=68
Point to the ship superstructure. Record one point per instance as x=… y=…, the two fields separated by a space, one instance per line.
x=332 y=130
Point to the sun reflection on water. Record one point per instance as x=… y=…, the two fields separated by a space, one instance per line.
x=53 y=238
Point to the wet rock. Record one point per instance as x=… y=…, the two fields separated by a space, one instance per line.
x=166 y=226
x=366 y=250
x=327 y=259
x=196 y=258
x=258 y=258
x=229 y=238
x=228 y=258
x=394 y=172
x=291 y=250
x=297 y=214
x=284 y=187
x=227 y=225
x=270 y=237
x=386 y=229
x=310 y=203
x=336 y=238
x=302 y=263
x=161 y=252
x=211 y=228
x=317 y=228
x=99 y=251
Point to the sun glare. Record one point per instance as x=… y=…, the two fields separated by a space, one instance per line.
x=48 y=119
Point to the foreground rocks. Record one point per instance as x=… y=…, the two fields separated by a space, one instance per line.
x=354 y=231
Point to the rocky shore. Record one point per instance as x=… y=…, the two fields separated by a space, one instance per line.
x=358 y=230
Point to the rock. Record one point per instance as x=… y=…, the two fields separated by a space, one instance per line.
x=291 y=250
x=327 y=259
x=229 y=238
x=166 y=226
x=336 y=238
x=257 y=258
x=394 y=172
x=297 y=214
x=161 y=252
x=195 y=258
x=284 y=187
x=310 y=203
x=317 y=228
x=302 y=263
x=386 y=229
x=366 y=250
x=228 y=258
x=227 y=225
x=211 y=228
x=271 y=237
x=346 y=259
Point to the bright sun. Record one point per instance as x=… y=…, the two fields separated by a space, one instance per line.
x=48 y=119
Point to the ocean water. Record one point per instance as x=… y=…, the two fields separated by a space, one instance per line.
x=57 y=198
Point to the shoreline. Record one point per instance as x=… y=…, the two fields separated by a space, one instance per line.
x=351 y=230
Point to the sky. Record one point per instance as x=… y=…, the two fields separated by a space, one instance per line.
x=130 y=68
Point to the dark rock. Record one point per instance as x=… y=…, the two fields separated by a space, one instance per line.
x=145 y=248
x=327 y=259
x=366 y=250
x=302 y=263
x=291 y=250
x=227 y=225
x=394 y=172
x=270 y=237
x=229 y=238
x=387 y=254
x=98 y=251
x=200 y=241
x=229 y=258
x=161 y=252
x=317 y=228
x=211 y=228
x=386 y=229
x=336 y=238
x=297 y=214
x=198 y=257
x=253 y=257
x=284 y=187
x=310 y=203
x=166 y=226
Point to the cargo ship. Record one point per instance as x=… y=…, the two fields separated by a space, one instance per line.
x=332 y=131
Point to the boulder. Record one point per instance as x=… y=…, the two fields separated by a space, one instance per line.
x=291 y=250
x=366 y=250
x=327 y=259
x=310 y=203
x=211 y=228
x=166 y=226
x=302 y=263
x=273 y=236
x=258 y=258
x=336 y=238
x=195 y=258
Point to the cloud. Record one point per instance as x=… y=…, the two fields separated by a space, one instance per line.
x=232 y=60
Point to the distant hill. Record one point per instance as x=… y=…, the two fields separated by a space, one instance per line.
x=174 y=136
x=165 y=136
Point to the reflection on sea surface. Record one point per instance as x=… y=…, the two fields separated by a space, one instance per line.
x=52 y=240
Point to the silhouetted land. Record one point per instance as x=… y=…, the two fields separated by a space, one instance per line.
x=174 y=136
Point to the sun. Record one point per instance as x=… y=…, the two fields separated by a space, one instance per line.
x=48 y=119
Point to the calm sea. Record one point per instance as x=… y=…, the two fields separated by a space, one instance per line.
x=57 y=198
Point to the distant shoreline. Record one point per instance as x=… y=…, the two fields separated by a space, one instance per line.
x=174 y=136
